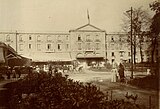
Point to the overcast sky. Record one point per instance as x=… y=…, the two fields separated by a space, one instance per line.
x=63 y=15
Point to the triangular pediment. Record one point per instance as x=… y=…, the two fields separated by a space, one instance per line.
x=88 y=27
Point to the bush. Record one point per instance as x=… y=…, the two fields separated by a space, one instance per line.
x=43 y=91
x=148 y=82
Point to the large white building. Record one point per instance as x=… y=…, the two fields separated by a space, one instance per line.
x=86 y=44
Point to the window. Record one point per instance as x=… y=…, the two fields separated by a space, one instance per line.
x=67 y=38
x=38 y=47
x=49 y=38
x=112 y=53
x=129 y=53
x=121 y=54
x=120 y=46
x=59 y=46
x=88 y=37
x=48 y=46
x=21 y=47
x=20 y=38
x=30 y=38
x=112 y=60
x=79 y=46
x=112 y=39
x=88 y=46
x=38 y=38
x=59 y=37
x=79 y=38
x=112 y=46
x=30 y=46
x=97 y=46
x=67 y=46
x=8 y=38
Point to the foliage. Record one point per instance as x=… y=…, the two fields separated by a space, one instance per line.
x=43 y=91
x=146 y=82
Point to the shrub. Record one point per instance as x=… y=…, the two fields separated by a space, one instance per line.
x=148 y=82
x=43 y=91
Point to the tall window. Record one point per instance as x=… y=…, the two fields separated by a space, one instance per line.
x=38 y=47
x=120 y=46
x=112 y=39
x=30 y=46
x=129 y=53
x=21 y=47
x=59 y=47
x=30 y=38
x=67 y=38
x=20 y=38
x=79 y=38
x=88 y=46
x=48 y=46
x=49 y=38
x=97 y=46
x=121 y=54
x=88 y=37
x=79 y=46
x=38 y=38
x=67 y=46
x=59 y=37
x=112 y=53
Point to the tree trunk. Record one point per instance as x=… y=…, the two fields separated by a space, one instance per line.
x=154 y=41
x=141 y=53
x=134 y=51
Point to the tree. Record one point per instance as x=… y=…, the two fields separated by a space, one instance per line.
x=140 y=23
x=155 y=35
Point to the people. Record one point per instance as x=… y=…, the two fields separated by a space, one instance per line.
x=114 y=71
x=121 y=72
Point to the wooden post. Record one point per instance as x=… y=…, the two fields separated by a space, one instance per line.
x=111 y=94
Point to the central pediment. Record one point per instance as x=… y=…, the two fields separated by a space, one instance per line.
x=88 y=27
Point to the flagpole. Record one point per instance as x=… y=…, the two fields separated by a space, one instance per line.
x=88 y=16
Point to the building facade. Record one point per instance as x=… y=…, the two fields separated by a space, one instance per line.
x=86 y=44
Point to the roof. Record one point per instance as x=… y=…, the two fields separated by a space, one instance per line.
x=89 y=27
x=50 y=57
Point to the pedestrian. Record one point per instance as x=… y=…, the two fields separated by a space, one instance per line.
x=8 y=73
x=19 y=72
x=121 y=72
x=50 y=70
x=14 y=73
x=114 y=72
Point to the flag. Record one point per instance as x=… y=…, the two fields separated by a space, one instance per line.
x=88 y=17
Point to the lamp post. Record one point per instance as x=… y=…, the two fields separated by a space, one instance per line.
x=131 y=43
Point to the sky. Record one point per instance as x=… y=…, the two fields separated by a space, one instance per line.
x=65 y=15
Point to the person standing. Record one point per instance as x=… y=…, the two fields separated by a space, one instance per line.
x=121 y=72
x=114 y=72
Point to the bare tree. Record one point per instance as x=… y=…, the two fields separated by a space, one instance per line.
x=140 y=23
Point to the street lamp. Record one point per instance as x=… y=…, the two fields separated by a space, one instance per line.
x=131 y=44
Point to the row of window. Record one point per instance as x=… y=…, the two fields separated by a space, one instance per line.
x=89 y=46
x=88 y=38
x=121 y=54
x=48 y=47
x=39 y=38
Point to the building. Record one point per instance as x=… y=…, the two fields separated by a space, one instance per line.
x=86 y=44
x=9 y=57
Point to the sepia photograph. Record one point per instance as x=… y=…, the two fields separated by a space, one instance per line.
x=79 y=54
